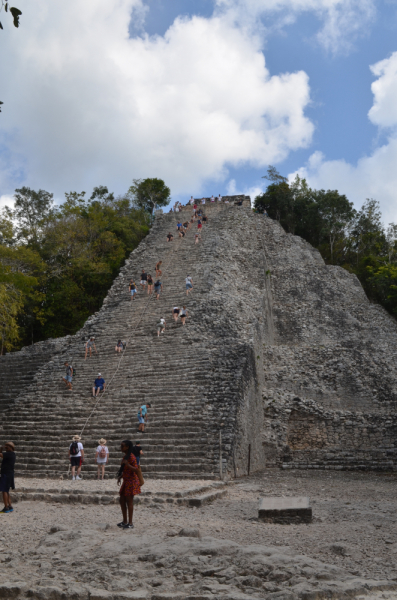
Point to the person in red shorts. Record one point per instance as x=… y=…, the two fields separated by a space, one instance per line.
x=130 y=486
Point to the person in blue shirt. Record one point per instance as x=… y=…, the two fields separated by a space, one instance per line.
x=99 y=385
x=142 y=417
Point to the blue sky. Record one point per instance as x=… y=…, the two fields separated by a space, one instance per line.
x=204 y=94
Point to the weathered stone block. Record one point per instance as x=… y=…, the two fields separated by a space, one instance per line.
x=285 y=510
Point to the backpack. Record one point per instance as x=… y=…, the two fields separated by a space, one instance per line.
x=102 y=452
x=74 y=449
x=74 y=372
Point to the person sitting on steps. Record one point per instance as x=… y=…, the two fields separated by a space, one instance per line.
x=99 y=386
x=170 y=237
x=119 y=346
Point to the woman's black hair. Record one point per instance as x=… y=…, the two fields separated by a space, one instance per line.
x=127 y=455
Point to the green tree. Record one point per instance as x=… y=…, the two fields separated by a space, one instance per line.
x=10 y=306
x=148 y=194
x=335 y=213
x=32 y=210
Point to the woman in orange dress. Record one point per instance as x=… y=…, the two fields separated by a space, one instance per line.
x=130 y=487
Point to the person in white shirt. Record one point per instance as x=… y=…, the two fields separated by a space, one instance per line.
x=219 y=198
x=189 y=284
x=203 y=201
x=212 y=199
x=76 y=456
x=102 y=457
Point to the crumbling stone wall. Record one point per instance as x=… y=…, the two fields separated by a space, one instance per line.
x=330 y=392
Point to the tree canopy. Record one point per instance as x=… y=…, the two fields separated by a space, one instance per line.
x=148 y=194
x=353 y=239
x=58 y=262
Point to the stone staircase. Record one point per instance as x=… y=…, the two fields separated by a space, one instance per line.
x=196 y=377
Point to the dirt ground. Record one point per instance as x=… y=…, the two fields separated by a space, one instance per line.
x=354 y=523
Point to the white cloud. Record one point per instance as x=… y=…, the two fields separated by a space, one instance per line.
x=87 y=105
x=374 y=176
x=342 y=20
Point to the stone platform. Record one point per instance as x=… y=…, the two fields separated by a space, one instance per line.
x=285 y=510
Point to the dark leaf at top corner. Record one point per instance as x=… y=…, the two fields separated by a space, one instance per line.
x=16 y=14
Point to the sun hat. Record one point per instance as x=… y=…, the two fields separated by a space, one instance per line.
x=10 y=445
x=102 y=441
x=99 y=375
x=76 y=438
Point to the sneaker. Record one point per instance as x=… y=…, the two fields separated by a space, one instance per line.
x=5 y=510
x=77 y=477
x=10 y=509
x=73 y=478
x=128 y=526
x=122 y=524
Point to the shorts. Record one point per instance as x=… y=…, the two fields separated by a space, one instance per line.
x=141 y=420
x=157 y=290
x=143 y=282
x=133 y=292
x=75 y=461
x=7 y=482
x=101 y=461
x=100 y=388
x=68 y=378
x=199 y=226
x=176 y=311
x=189 y=286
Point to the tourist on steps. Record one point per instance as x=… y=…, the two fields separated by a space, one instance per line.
x=76 y=456
x=102 y=458
x=7 y=455
x=189 y=283
x=183 y=315
x=142 y=417
x=158 y=288
x=197 y=238
x=69 y=376
x=133 y=290
x=88 y=347
x=170 y=237
x=160 y=326
x=138 y=452
x=205 y=219
x=99 y=385
x=119 y=346
x=199 y=225
x=175 y=313
x=181 y=233
x=150 y=284
x=143 y=279
x=131 y=486
x=158 y=269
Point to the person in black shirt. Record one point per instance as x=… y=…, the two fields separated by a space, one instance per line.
x=137 y=451
x=7 y=475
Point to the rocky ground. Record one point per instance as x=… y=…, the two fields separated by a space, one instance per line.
x=73 y=551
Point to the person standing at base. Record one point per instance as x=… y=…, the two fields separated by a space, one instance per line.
x=7 y=475
x=131 y=487
x=142 y=417
x=76 y=456
x=102 y=457
x=138 y=452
